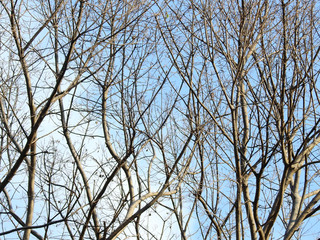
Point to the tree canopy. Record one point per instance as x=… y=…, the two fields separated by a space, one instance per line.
x=159 y=119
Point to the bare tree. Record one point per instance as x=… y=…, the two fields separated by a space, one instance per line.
x=159 y=119
x=105 y=136
x=251 y=68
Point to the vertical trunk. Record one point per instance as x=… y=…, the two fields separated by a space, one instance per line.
x=296 y=201
x=31 y=182
x=238 y=175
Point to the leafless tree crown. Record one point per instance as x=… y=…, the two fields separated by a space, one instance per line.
x=159 y=119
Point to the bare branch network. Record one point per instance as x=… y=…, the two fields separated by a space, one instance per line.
x=159 y=119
